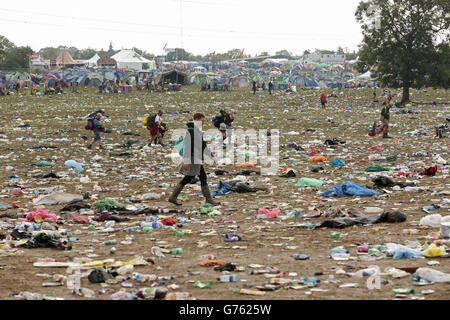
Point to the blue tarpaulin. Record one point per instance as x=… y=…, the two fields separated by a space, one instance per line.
x=349 y=189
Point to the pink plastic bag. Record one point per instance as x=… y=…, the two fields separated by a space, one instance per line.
x=375 y=148
x=80 y=219
x=39 y=215
x=266 y=214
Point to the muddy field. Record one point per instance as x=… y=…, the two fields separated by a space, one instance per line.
x=127 y=173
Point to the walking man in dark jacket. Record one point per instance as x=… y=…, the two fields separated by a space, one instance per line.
x=194 y=150
x=385 y=117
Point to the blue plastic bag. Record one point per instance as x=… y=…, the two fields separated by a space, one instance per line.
x=349 y=189
x=338 y=163
x=180 y=146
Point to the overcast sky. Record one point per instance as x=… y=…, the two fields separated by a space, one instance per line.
x=198 y=26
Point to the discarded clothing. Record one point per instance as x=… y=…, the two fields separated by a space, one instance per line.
x=56 y=198
x=129 y=133
x=99 y=275
x=43 y=240
x=295 y=146
x=41 y=164
x=43 y=147
x=226 y=267
x=221 y=173
x=48 y=175
x=349 y=189
x=389 y=217
x=39 y=215
x=107 y=204
x=109 y=217
x=224 y=188
x=75 y=205
x=289 y=174
x=318 y=159
x=386 y=182
x=241 y=187
x=249 y=173
x=334 y=142
x=377 y=168
x=230 y=237
x=431 y=171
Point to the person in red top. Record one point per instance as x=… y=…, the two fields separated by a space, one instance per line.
x=323 y=100
x=229 y=118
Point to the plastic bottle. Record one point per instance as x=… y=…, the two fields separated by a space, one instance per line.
x=179 y=296
x=403 y=290
x=364 y=248
x=144 y=277
x=59 y=278
x=110 y=224
x=410 y=231
x=180 y=233
x=280 y=281
x=433 y=275
x=126 y=269
x=365 y=272
x=300 y=257
x=131 y=229
x=207 y=257
x=157 y=252
x=336 y=235
x=249 y=292
x=310 y=282
x=176 y=251
x=109 y=242
x=228 y=278
x=147 y=229
x=404 y=252
x=157 y=225
x=338 y=250
x=30 y=295
x=146 y=224
x=259 y=271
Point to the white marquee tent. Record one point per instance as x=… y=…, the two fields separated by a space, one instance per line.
x=129 y=59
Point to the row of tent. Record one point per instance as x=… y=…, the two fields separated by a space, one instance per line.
x=283 y=73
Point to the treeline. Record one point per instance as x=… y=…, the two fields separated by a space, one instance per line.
x=13 y=57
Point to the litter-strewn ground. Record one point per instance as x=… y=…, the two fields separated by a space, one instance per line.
x=127 y=173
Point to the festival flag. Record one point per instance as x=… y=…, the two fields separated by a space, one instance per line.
x=242 y=53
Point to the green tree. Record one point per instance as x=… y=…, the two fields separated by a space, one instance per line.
x=5 y=45
x=49 y=53
x=16 y=58
x=405 y=39
x=74 y=52
x=179 y=54
x=111 y=51
x=85 y=54
x=283 y=53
